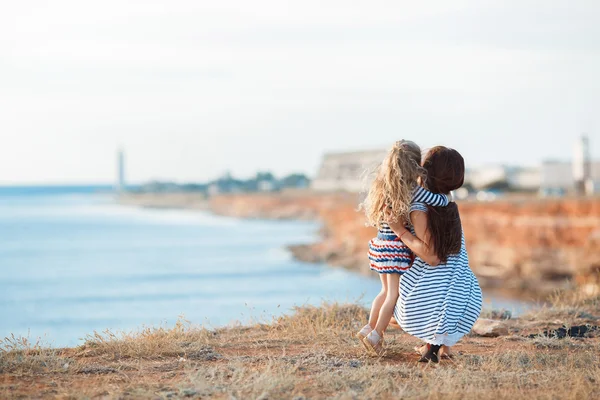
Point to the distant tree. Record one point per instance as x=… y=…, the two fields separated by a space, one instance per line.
x=500 y=185
x=262 y=181
x=469 y=187
x=195 y=187
x=295 y=181
x=265 y=176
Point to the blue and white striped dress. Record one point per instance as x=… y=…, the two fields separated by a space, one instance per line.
x=387 y=253
x=439 y=304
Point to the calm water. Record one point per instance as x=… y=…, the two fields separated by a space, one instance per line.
x=72 y=262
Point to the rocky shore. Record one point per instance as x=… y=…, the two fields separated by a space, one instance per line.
x=519 y=244
x=191 y=201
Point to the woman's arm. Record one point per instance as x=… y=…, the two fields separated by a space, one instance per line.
x=421 y=244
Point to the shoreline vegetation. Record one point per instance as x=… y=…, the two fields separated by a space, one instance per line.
x=550 y=353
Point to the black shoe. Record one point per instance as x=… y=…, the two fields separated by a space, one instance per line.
x=432 y=354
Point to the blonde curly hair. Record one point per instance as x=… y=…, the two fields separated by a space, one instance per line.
x=390 y=193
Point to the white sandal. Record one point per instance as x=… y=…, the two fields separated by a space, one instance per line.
x=362 y=336
x=375 y=344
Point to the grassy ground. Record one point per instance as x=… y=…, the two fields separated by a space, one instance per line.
x=311 y=354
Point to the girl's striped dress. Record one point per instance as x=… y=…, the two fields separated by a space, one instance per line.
x=387 y=253
x=439 y=304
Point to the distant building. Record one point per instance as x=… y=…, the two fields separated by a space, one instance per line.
x=348 y=172
x=504 y=177
x=557 y=178
x=484 y=177
x=525 y=179
x=225 y=184
x=266 y=186
x=265 y=182
x=582 y=165
x=345 y=171
x=581 y=176
x=121 y=184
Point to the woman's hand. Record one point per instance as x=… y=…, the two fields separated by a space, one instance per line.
x=400 y=230
x=421 y=244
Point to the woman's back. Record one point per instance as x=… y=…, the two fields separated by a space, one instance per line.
x=439 y=304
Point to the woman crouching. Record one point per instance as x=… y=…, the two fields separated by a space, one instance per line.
x=439 y=296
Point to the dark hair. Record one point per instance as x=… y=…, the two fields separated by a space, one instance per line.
x=445 y=172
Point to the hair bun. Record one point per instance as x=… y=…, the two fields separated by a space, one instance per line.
x=401 y=144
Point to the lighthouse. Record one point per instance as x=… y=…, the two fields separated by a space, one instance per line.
x=581 y=166
x=120 y=185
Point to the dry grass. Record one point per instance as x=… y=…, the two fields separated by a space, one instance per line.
x=21 y=357
x=309 y=354
x=568 y=306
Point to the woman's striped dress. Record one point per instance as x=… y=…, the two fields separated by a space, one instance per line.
x=387 y=253
x=439 y=304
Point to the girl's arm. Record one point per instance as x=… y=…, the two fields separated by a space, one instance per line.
x=422 y=195
x=421 y=244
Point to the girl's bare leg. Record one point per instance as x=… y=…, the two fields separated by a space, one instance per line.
x=387 y=309
x=394 y=323
x=378 y=302
x=373 y=315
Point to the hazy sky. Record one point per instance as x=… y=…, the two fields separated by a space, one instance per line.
x=194 y=88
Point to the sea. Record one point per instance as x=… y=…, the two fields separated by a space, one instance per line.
x=73 y=262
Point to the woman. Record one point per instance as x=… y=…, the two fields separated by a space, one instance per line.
x=440 y=298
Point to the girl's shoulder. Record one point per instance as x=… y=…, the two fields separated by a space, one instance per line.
x=422 y=195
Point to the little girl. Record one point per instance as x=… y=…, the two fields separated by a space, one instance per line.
x=394 y=189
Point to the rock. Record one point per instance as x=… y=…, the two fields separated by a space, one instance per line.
x=579 y=331
x=189 y=392
x=96 y=369
x=206 y=353
x=501 y=314
x=490 y=328
x=586 y=315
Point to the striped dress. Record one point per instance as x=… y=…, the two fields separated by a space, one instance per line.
x=439 y=304
x=387 y=253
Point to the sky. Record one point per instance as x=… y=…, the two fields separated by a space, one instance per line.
x=192 y=89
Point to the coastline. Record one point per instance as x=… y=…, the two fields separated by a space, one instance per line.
x=526 y=247
x=189 y=201
x=311 y=352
